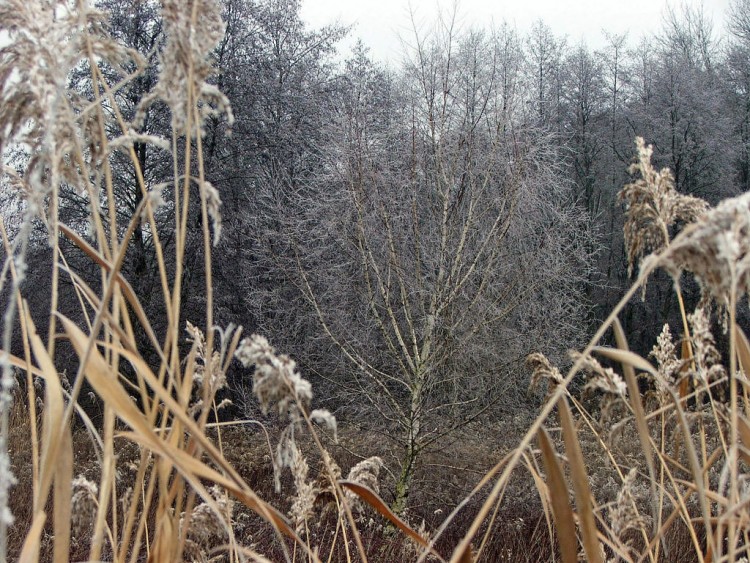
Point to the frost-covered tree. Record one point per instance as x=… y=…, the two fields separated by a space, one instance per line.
x=441 y=245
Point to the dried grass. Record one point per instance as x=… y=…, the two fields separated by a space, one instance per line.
x=176 y=497
x=677 y=491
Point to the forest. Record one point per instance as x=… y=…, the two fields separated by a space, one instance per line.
x=500 y=285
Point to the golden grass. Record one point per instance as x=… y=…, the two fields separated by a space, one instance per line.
x=179 y=501
x=693 y=441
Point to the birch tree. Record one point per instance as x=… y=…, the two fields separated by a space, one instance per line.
x=444 y=244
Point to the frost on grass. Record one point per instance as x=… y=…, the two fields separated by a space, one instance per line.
x=714 y=246
x=207 y=368
x=706 y=357
x=194 y=28
x=365 y=473
x=603 y=380
x=280 y=388
x=542 y=370
x=716 y=250
x=668 y=373
x=47 y=40
x=303 y=502
x=208 y=525
x=624 y=515
x=652 y=206
x=83 y=506
x=276 y=382
x=7 y=480
x=43 y=41
x=209 y=376
x=213 y=205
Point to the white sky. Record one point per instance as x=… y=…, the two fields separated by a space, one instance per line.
x=380 y=22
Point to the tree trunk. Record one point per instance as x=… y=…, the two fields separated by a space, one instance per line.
x=408 y=465
x=403 y=485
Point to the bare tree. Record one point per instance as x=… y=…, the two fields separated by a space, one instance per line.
x=440 y=245
x=737 y=71
x=584 y=95
x=543 y=67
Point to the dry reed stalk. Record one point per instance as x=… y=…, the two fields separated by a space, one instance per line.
x=73 y=139
x=697 y=473
x=557 y=497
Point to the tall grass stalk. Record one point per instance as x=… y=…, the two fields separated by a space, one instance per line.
x=168 y=512
x=696 y=478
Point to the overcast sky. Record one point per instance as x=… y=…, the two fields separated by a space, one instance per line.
x=380 y=22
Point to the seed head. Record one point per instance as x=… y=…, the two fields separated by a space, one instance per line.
x=652 y=206
x=365 y=473
x=83 y=506
x=276 y=381
x=716 y=250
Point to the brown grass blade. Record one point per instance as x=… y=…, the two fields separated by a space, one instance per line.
x=743 y=355
x=53 y=413
x=21 y=364
x=30 y=550
x=111 y=391
x=62 y=494
x=194 y=470
x=57 y=455
x=178 y=411
x=625 y=357
x=371 y=498
x=249 y=553
x=636 y=404
x=127 y=289
x=467 y=556
x=743 y=429
x=165 y=544
x=584 y=498
x=639 y=414
x=486 y=478
x=562 y=512
x=104 y=382
x=684 y=388
x=743 y=349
